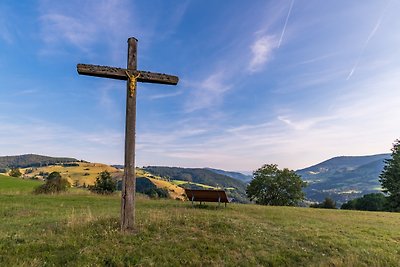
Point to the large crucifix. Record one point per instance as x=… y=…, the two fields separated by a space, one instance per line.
x=131 y=75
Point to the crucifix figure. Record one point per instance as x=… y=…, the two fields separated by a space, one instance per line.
x=131 y=75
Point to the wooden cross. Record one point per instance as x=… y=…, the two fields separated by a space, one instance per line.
x=132 y=75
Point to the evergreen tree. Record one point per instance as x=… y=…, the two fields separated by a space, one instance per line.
x=390 y=178
x=104 y=184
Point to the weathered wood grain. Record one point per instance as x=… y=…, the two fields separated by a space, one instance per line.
x=120 y=74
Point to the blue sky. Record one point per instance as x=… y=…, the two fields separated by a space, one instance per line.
x=285 y=82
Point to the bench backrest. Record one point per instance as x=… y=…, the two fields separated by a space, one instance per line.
x=207 y=195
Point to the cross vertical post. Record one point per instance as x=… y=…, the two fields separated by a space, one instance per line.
x=132 y=75
x=129 y=178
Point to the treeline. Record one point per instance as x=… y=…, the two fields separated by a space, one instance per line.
x=369 y=202
x=31 y=160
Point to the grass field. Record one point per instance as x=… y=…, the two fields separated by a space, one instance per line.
x=82 y=229
x=12 y=185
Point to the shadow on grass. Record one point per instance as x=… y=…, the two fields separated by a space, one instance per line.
x=213 y=206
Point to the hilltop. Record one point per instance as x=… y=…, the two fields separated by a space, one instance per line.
x=31 y=160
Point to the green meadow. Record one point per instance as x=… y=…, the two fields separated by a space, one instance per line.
x=82 y=229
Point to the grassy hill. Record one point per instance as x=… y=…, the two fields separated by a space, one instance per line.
x=82 y=229
x=83 y=172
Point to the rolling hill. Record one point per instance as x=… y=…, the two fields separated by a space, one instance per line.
x=194 y=176
x=31 y=160
x=343 y=178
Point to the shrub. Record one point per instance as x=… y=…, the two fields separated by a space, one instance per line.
x=328 y=203
x=54 y=184
x=157 y=193
x=15 y=172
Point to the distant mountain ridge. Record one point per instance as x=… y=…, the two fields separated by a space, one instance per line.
x=343 y=178
x=236 y=175
x=31 y=160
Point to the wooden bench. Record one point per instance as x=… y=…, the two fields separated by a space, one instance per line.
x=207 y=196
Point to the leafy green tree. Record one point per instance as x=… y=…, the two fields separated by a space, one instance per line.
x=390 y=178
x=15 y=172
x=328 y=203
x=272 y=186
x=54 y=184
x=104 y=184
x=371 y=202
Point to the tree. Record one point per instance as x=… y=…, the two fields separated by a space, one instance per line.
x=371 y=202
x=272 y=186
x=54 y=176
x=54 y=184
x=328 y=203
x=104 y=184
x=15 y=172
x=390 y=178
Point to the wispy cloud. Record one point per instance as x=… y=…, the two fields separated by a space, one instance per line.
x=291 y=138
x=370 y=36
x=160 y=96
x=261 y=50
x=209 y=92
x=59 y=28
x=5 y=32
x=96 y=23
x=286 y=21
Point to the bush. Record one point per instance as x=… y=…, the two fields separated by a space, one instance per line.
x=54 y=184
x=15 y=172
x=328 y=203
x=104 y=184
x=157 y=193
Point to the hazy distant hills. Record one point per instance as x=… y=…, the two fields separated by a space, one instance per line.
x=31 y=160
x=236 y=175
x=343 y=178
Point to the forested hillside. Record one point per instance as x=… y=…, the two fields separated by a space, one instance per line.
x=31 y=160
x=343 y=178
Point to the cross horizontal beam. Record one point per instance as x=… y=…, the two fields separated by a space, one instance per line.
x=120 y=74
